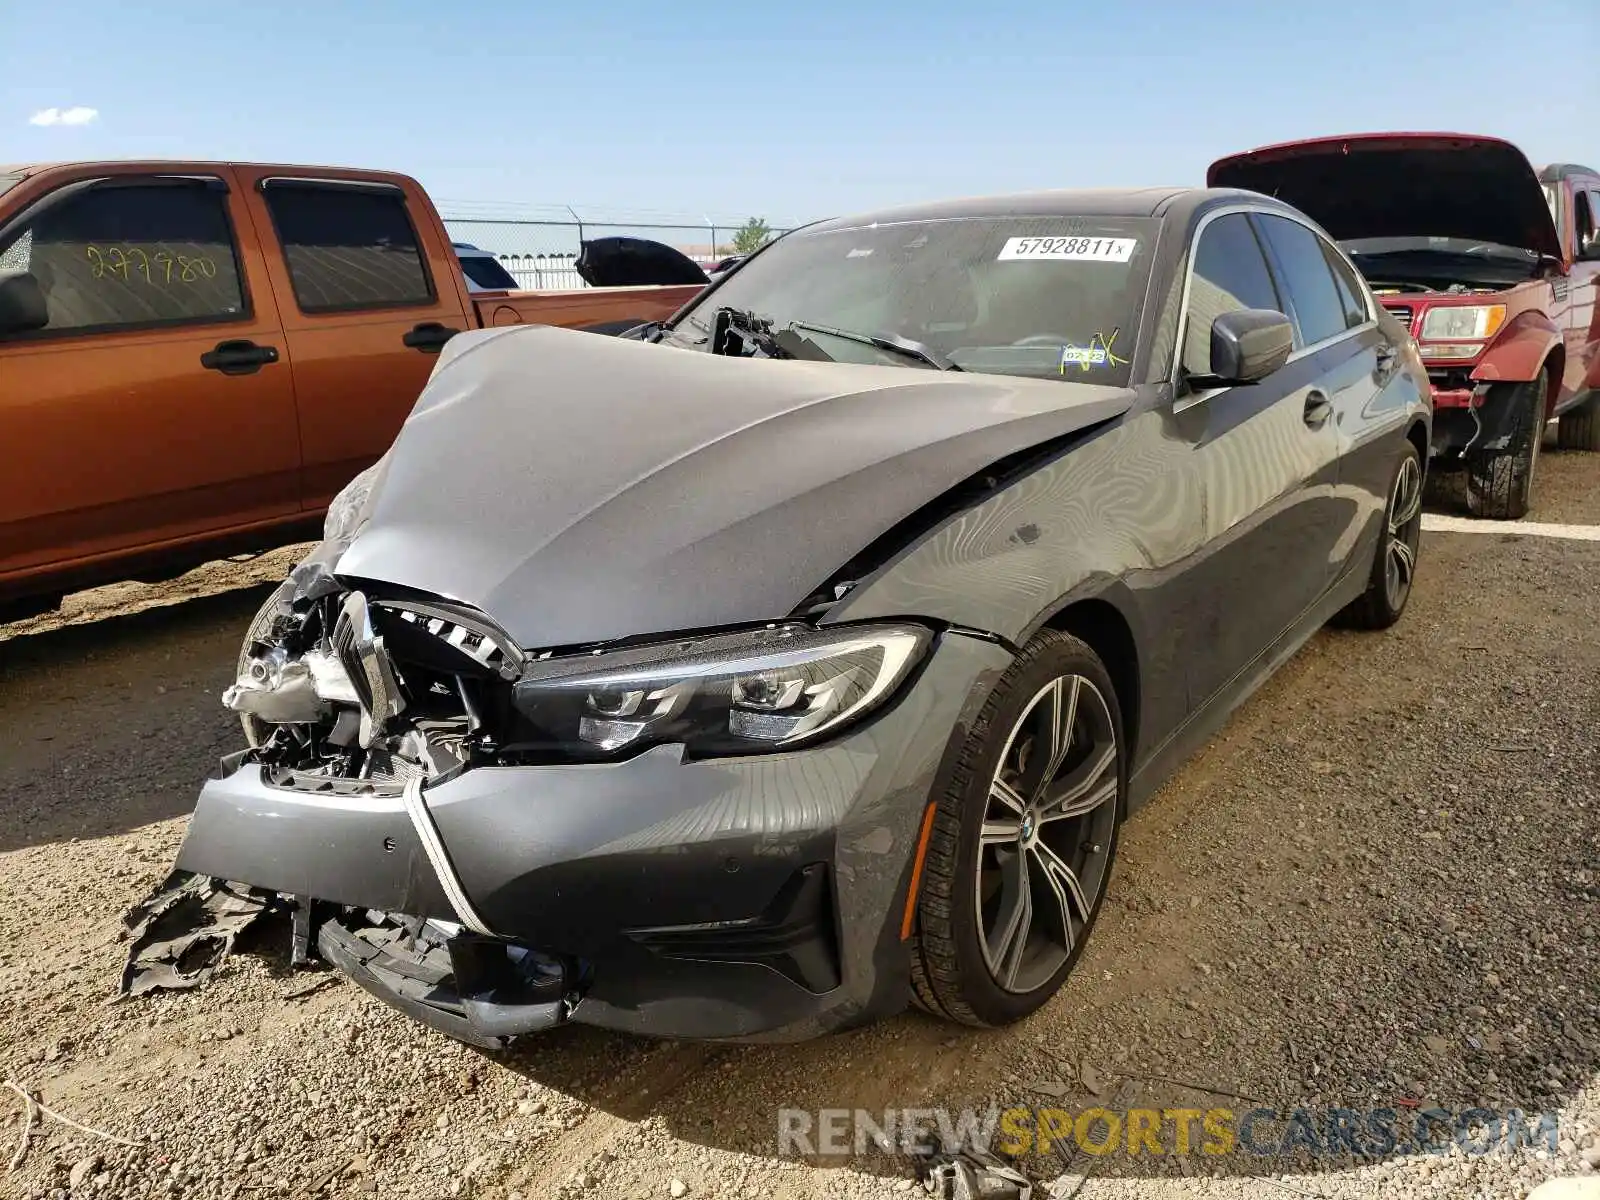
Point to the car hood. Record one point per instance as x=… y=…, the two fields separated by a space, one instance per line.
x=580 y=488
x=1403 y=185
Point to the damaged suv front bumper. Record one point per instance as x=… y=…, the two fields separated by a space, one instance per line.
x=756 y=897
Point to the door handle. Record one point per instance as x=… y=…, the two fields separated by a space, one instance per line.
x=1318 y=409
x=238 y=357
x=429 y=337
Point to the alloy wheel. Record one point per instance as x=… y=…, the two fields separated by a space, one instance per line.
x=1404 y=532
x=1047 y=831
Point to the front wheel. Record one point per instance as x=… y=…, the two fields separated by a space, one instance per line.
x=1500 y=482
x=1023 y=839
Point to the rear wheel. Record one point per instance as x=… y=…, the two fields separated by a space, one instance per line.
x=1500 y=482
x=1580 y=428
x=1023 y=839
x=1394 y=564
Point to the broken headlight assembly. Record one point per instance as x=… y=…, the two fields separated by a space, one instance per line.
x=740 y=693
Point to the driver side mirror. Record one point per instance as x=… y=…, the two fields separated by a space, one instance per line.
x=22 y=306
x=1249 y=344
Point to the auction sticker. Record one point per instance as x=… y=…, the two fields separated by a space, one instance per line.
x=1069 y=249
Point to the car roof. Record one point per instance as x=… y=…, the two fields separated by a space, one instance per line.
x=1062 y=202
x=1558 y=171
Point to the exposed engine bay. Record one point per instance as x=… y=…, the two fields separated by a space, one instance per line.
x=1390 y=287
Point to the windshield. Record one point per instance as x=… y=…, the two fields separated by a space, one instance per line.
x=1042 y=296
x=1552 y=197
x=487 y=273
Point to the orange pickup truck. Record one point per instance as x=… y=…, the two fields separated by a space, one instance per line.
x=195 y=357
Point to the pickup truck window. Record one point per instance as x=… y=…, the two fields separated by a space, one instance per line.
x=348 y=248
x=137 y=255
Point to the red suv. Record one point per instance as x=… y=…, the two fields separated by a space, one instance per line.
x=1491 y=265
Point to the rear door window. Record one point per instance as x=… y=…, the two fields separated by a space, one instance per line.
x=141 y=254
x=1351 y=294
x=348 y=247
x=1306 y=277
x=1229 y=273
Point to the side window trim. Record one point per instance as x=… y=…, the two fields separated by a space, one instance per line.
x=1363 y=292
x=80 y=187
x=268 y=184
x=1175 y=376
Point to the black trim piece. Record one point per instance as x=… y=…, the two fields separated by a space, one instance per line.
x=795 y=935
x=310 y=183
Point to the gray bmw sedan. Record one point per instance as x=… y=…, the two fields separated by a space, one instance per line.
x=757 y=673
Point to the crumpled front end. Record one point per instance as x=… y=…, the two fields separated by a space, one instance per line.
x=445 y=851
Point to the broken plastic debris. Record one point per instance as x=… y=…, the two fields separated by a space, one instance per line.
x=972 y=1175
x=967 y=1173
x=185 y=928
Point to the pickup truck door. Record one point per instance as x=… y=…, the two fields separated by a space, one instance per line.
x=157 y=404
x=369 y=292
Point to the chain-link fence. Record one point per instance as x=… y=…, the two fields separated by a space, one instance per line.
x=539 y=252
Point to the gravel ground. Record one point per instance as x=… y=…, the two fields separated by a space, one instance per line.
x=1378 y=887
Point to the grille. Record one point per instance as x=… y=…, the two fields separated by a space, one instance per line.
x=1402 y=313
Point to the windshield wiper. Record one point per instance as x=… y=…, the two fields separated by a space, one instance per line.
x=884 y=341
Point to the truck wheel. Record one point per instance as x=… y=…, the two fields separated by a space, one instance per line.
x=1500 y=482
x=1022 y=839
x=1394 y=564
x=1580 y=428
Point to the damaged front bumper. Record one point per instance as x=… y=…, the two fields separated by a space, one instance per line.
x=757 y=897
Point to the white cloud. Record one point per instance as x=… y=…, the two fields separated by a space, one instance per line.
x=77 y=115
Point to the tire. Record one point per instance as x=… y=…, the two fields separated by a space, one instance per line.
x=964 y=968
x=1579 y=429
x=1394 y=562
x=1500 y=483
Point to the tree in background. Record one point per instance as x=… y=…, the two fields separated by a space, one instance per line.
x=751 y=236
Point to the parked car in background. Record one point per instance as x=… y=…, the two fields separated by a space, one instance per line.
x=723 y=265
x=807 y=652
x=483 y=271
x=1492 y=267
x=197 y=356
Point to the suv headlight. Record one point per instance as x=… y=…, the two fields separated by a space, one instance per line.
x=766 y=689
x=1472 y=322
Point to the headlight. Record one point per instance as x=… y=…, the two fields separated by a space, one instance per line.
x=1470 y=323
x=347 y=510
x=737 y=693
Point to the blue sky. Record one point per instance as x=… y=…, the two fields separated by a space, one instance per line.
x=791 y=111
